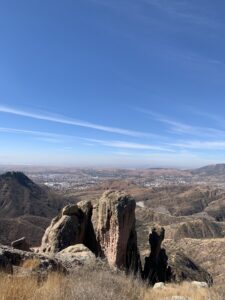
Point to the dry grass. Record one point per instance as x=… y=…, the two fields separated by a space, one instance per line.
x=84 y=284
x=88 y=284
x=185 y=290
x=31 y=264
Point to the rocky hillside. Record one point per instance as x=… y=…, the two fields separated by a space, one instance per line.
x=25 y=208
x=194 y=214
x=104 y=232
x=20 y=196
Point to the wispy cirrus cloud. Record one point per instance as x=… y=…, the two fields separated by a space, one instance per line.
x=85 y=141
x=218 y=119
x=200 y=145
x=74 y=122
x=30 y=132
x=39 y=135
x=129 y=145
x=185 y=10
x=178 y=127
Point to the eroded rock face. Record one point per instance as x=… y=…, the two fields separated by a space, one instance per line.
x=114 y=224
x=156 y=267
x=68 y=228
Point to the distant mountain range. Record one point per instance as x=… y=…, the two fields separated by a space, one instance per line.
x=210 y=170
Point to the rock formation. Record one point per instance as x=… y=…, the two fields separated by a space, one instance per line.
x=21 y=244
x=13 y=259
x=156 y=268
x=107 y=230
x=184 y=268
x=114 y=224
x=77 y=255
x=68 y=228
x=110 y=233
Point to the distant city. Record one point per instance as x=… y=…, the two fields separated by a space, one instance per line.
x=72 y=179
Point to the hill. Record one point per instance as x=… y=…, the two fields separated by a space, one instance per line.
x=25 y=208
x=210 y=170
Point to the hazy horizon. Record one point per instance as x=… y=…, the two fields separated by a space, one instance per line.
x=129 y=84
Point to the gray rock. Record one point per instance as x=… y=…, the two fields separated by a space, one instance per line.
x=13 y=260
x=21 y=244
x=68 y=228
x=159 y=285
x=75 y=256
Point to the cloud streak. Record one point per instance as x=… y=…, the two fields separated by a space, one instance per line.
x=53 y=138
x=201 y=145
x=30 y=132
x=184 y=10
x=182 y=128
x=73 y=122
x=129 y=145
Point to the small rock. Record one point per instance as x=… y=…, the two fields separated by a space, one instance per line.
x=199 y=284
x=159 y=285
x=70 y=210
x=21 y=244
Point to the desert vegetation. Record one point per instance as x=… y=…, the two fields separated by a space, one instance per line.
x=86 y=283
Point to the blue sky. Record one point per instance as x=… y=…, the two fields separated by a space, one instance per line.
x=125 y=83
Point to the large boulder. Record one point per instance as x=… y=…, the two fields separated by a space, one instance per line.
x=70 y=227
x=114 y=225
x=76 y=255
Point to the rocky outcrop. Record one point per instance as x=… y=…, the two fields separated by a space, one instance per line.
x=114 y=224
x=156 y=267
x=13 y=259
x=70 y=227
x=21 y=244
x=171 y=266
x=82 y=232
x=107 y=229
x=185 y=269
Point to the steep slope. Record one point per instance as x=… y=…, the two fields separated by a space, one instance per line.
x=20 y=196
x=208 y=253
x=25 y=208
x=183 y=200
